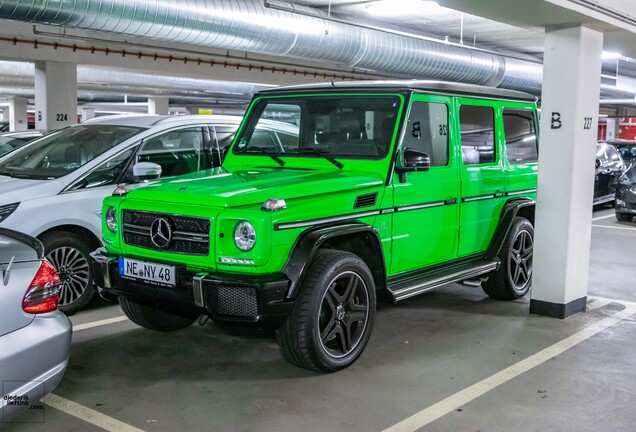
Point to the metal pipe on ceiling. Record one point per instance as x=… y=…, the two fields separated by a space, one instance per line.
x=250 y=26
x=111 y=81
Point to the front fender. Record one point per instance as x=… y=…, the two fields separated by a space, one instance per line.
x=334 y=236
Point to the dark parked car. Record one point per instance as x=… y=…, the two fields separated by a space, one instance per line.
x=10 y=141
x=626 y=195
x=627 y=149
x=609 y=167
x=34 y=336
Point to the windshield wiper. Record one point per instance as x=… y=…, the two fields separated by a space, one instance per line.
x=278 y=160
x=320 y=153
x=7 y=173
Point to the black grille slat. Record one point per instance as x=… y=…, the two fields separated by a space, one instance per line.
x=191 y=235
x=367 y=200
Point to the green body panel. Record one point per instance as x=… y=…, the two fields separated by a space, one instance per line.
x=425 y=236
x=479 y=217
x=316 y=192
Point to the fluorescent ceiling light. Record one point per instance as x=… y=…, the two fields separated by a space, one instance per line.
x=395 y=8
x=608 y=55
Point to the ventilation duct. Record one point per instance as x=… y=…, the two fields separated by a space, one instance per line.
x=116 y=82
x=251 y=27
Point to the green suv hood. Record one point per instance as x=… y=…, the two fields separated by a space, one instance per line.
x=220 y=188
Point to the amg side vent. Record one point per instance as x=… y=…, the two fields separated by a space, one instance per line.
x=367 y=200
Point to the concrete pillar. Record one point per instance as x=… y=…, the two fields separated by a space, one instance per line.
x=55 y=95
x=87 y=113
x=613 y=124
x=158 y=105
x=18 y=114
x=569 y=121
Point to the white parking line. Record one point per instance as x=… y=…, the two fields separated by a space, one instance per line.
x=614 y=227
x=88 y=415
x=99 y=323
x=462 y=397
x=603 y=217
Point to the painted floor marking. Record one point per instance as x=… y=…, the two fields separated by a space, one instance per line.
x=100 y=323
x=88 y=415
x=614 y=227
x=465 y=396
x=603 y=217
x=598 y=303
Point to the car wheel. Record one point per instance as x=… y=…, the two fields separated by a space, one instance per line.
x=513 y=279
x=156 y=319
x=623 y=217
x=331 y=320
x=69 y=254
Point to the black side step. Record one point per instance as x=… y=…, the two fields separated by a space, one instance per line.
x=411 y=285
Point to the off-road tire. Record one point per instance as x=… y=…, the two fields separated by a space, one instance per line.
x=513 y=279
x=333 y=277
x=153 y=318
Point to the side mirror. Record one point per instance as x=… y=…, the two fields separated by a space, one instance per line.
x=414 y=160
x=417 y=160
x=146 y=171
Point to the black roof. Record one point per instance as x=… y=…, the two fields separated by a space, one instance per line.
x=439 y=87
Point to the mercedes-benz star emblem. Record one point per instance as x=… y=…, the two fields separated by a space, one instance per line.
x=160 y=233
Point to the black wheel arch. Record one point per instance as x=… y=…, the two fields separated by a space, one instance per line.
x=358 y=238
x=523 y=207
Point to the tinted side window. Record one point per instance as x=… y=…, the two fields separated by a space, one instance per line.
x=107 y=173
x=521 y=137
x=178 y=152
x=428 y=131
x=477 y=129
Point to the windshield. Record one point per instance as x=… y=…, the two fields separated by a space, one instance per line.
x=65 y=151
x=347 y=127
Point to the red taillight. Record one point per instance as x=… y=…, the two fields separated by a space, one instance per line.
x=44 y=292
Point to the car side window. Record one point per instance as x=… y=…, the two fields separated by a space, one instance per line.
x=179 y=152
x=107 y=173
x=477 y=129
x=220 y=138
x=427 y=131
x=520 y=134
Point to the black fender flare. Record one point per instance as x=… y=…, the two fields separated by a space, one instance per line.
x=511 y=209
x=313 y=239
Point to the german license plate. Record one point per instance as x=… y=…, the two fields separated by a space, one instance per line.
x=148 y=272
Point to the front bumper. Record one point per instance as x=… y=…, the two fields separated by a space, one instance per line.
x=225 y=297
x=626 y=200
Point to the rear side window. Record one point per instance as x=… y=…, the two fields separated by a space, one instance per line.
x=521 y=136
x=428 y=131
x=477 y=127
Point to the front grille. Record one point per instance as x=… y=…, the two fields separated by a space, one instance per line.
x=235 y=301
x=190 y=235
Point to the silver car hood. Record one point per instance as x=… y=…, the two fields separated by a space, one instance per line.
x=17 y=189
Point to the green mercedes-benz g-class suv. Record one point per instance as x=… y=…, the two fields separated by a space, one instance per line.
x=377 y=190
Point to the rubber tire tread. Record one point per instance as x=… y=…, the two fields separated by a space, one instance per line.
x=295 y=348
x=497 y=286
x=55 y=239
x=152 y=318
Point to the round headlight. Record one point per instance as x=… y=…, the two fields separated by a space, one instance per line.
x=111 y=219
x=244 y=236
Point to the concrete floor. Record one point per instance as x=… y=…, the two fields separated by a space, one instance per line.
x=422 y=351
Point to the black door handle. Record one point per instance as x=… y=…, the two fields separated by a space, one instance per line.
x=450 y=201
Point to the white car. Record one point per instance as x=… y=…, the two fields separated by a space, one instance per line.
x=53 y=188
